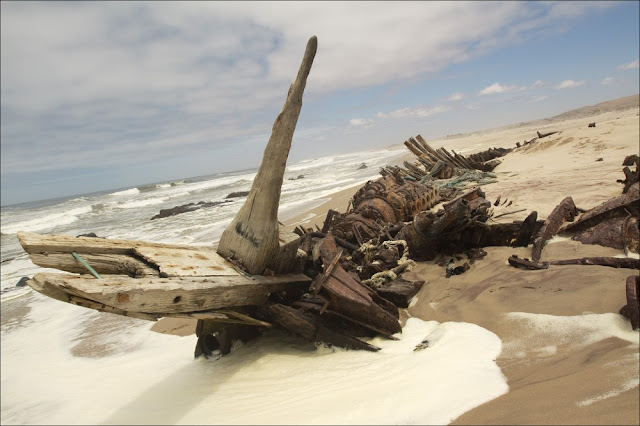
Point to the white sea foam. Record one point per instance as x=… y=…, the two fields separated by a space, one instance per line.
x=222 y=181
x=630 y=384
x=48 y=221
x=132 y=191
x=140 y=203
x=578 y=329
x=152 y=378
x=545 y=333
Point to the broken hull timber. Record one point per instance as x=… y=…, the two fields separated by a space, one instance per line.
x=150 y=280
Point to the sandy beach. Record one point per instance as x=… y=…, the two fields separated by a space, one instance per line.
x=565 y=366
x=567 y=355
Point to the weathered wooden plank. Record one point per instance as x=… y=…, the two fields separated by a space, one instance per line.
x=58 y=294
x=36 y=243
x=133 y=258
x=312 y=328
x=178 y=262
x=176 y=294
x=104 y=264
x=220 y=316
x=343 y=276
x=85 y=303
x=341 y=291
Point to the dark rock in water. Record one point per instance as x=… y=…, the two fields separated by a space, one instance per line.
x=175 y=210
x=592 y=124
x=185 y=208
x=600 y=159
x=90 y=234
x=238 y=194
x=22 y=282
x=296 y=178
x=362 y=166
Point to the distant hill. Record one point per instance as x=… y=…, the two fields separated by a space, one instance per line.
x=620 y=104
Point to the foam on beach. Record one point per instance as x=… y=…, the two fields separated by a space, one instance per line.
x=543 y=335
x=152 y=378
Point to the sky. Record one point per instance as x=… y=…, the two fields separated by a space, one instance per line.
x=106 y=95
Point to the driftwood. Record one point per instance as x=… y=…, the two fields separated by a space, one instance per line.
x=253 y=235
x=565 y=211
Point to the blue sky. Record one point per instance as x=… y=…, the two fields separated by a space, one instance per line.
x=102 y=95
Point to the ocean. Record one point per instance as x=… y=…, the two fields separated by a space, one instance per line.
x=63 y=364
x=125 y=213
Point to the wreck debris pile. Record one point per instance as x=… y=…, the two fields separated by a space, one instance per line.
x=338 y=284
x=630 y=177
x=442 y=164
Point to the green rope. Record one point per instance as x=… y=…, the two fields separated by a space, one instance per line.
x=86 y=265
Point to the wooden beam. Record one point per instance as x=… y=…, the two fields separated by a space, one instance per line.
x=252 y=236
x=171 y=295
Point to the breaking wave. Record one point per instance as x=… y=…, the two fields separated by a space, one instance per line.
x=132 y=191
x=46 y=222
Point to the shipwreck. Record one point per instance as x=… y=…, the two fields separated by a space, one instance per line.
x=337 y=284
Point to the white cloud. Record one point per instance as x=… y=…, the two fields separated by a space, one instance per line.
x=96 y=83
x=569 y=84
x=497 y=88
x=536 y=84
x=456 y=96
x=630 y=66
x=608 y=80
x=414 y=112
x=360 y=122
x=539 y=98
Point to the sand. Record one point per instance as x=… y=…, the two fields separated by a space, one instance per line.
x=564 y=365
x=568 y=356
